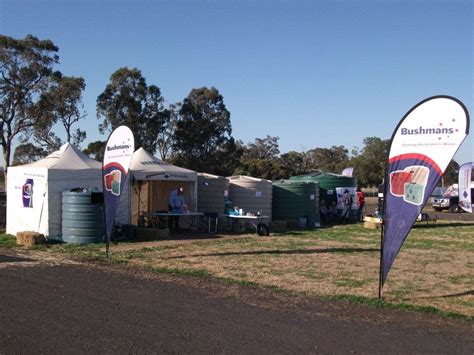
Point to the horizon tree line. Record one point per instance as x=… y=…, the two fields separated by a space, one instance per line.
x=196 y=133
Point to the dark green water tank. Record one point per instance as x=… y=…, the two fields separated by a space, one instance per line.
x=83 y=216
x=327 y=183
x=293 y=200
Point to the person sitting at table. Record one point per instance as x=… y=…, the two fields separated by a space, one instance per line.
x=176 y=204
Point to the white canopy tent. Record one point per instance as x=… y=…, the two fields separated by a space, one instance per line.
x=151 y=183
x=34 y=191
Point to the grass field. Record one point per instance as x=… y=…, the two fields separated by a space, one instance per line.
x=434 y=269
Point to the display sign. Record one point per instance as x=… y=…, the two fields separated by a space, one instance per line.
x=464 y=184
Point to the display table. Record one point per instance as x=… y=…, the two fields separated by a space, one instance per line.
x=160 y=219
x=261 y=228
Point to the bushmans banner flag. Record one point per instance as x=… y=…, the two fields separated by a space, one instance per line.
x=464 y=185
x=117 y=157
x=421 y=148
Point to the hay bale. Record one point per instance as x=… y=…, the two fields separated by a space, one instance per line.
x=372 y=225
x=29 y=239
x=146 y=234
x=278 y=226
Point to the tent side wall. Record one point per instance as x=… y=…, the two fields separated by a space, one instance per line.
x=20 y=218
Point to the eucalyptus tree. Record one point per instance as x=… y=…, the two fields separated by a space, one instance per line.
x=60 y=105
x=128 y=100
x=203 y=138
x=26 y=68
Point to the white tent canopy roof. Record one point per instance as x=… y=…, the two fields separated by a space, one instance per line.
x=68 y=158
x=145 y=166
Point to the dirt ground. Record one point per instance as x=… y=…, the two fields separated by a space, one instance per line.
x=50 y=305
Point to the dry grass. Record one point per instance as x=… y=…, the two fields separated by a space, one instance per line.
x=434 y=268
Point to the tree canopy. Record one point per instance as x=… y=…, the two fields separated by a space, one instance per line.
x=60 y=104
x=370 y=163
x=203 y=137
x=128 y=100
x=26 y=67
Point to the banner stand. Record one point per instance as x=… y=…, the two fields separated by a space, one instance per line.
x=381 y=258
x=117 y=156
x=421 y=147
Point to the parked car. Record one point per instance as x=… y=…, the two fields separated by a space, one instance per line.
x=450 y=199
x=437 y=193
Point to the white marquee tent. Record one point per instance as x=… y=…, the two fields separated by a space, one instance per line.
x=152 y=181
x=34 y=191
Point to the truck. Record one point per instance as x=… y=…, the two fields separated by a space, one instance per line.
x=450 y=199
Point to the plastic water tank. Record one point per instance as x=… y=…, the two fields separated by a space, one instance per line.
x=83 y=215
x=296 y=200
x=211 y=191
x=251 y=195
x=328 y=182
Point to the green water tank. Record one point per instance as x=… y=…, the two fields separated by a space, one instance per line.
x=296 y=200
x=328 y=182
x=83 y=215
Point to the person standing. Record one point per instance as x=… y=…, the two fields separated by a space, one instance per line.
x=346 y=206
x=361 y=204
x=175 y=205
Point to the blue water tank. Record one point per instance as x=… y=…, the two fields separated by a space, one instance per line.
x=83 y=215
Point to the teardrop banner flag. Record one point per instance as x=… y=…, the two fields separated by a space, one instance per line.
x=117 y=157
x=421 y=148
x=464 y=185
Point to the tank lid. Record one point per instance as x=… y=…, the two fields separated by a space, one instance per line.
x=85 y=190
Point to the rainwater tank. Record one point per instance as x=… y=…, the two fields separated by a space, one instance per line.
x=252 y=195
x=211 y=192
x=83 y=215
x=296 y=200
x=327 y=183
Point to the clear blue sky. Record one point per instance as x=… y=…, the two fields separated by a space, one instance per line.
x=313 y=73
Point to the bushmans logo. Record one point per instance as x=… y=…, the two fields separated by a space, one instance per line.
x=422 y=130
x=116 y=147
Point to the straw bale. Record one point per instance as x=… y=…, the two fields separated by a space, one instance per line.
x=29 y=238
x=372 y=225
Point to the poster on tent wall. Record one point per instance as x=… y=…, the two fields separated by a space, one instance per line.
x=117 y=156
x=422 y=146
x=340 y=194
x=464 y=185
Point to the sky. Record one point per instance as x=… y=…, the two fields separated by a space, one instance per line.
x=313 y=73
